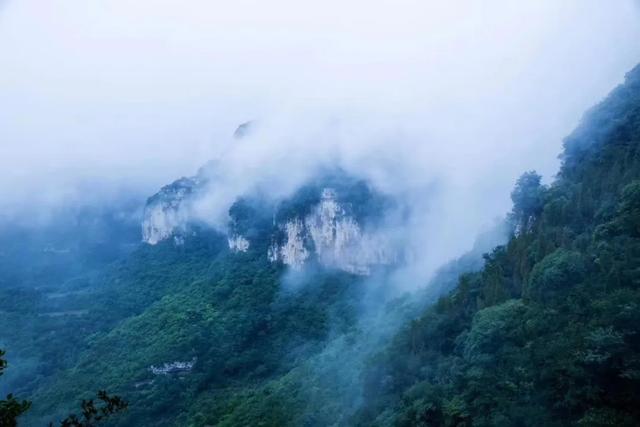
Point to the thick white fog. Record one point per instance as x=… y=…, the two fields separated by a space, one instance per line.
x=445 y=102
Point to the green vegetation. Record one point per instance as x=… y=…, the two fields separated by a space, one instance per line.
x=11 y=408
x=545 y=332
x=228 y=313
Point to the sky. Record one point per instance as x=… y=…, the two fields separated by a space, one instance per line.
x=103 y=97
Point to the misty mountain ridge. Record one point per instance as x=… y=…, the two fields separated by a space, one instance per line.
x=332 y=220
x=328 y=214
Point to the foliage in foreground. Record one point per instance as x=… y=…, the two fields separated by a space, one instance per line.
x=11 y=408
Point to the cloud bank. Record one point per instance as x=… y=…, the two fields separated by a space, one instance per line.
x=445 y=103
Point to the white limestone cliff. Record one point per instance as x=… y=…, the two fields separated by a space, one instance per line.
x=334 y=237
x=166 y=213
x=294 y=252
x=159 y=223
x=329 y=234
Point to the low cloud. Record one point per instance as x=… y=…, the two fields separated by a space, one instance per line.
x=443 y=105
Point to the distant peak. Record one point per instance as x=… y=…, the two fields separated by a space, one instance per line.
x=244 y=129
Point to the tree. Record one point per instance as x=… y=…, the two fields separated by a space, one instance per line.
x=11 y=408
x=92 y=415
x=556 y=272
x=527 y=197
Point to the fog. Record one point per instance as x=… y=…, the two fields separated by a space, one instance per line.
x=445 y=103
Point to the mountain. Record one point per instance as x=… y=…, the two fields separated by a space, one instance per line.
x=325 y=222
x=547 y=332
x=287 y=313
x=213 y=314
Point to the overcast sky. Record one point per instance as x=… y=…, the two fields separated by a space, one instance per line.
x=119 y=93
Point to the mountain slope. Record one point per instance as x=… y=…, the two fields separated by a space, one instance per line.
x=548 y=333
x=193 y=315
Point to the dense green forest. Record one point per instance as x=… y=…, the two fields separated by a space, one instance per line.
x=543 y=330
x=548 y=332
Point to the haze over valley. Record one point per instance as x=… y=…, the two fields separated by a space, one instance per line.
x=364 y=214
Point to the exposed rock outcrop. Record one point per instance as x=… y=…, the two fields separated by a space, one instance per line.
x=166 y=213
x=173 y=367
x=326 y=221
x=335 y=239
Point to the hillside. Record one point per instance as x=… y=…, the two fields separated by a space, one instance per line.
x=287 y=315
x=548 y=332
x=195 y=320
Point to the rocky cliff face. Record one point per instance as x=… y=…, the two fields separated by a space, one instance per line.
x=322 y=228
x=167 y=212
x=333 y=237
x=325 y=222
